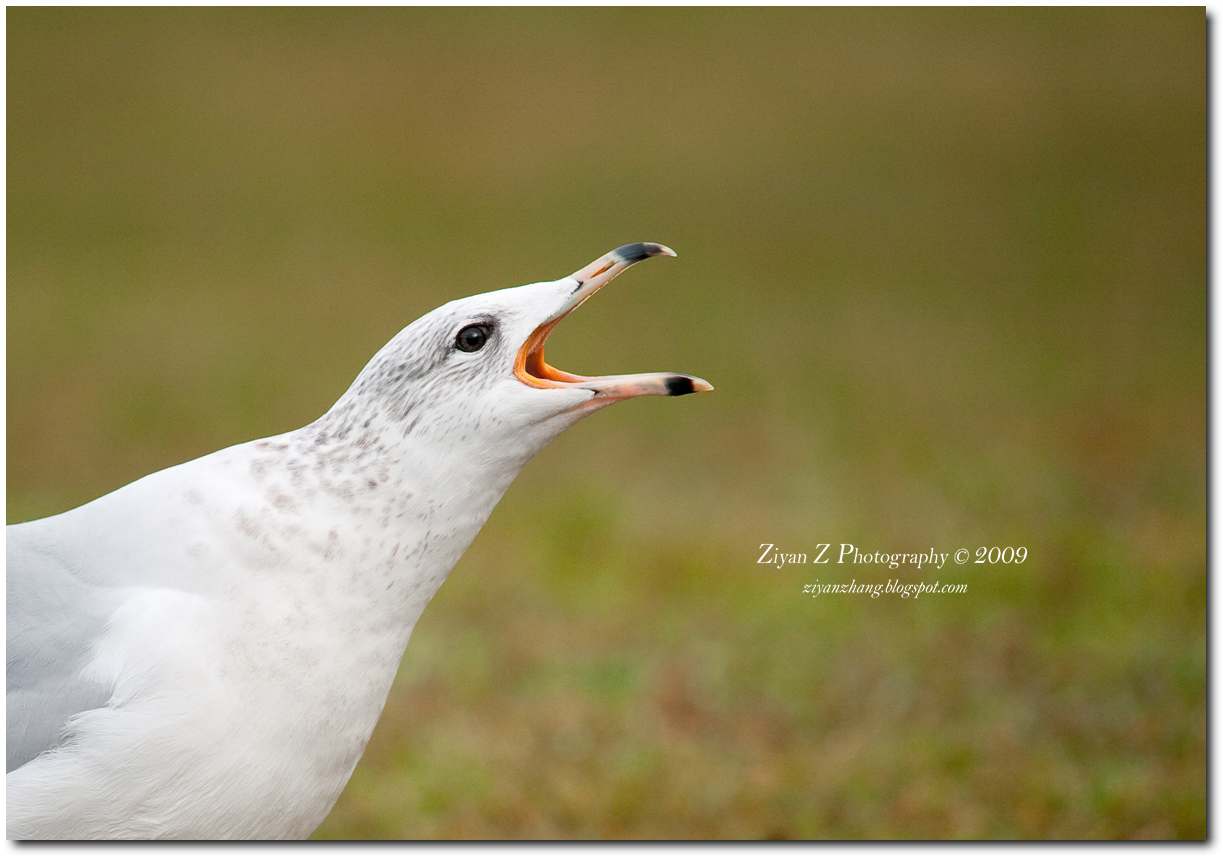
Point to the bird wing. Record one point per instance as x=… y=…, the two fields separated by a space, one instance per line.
x=54 y=619
x=69 y=575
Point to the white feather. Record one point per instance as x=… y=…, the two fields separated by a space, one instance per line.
x=204 y=653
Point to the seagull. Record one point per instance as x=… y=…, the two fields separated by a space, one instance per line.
x=204 y=653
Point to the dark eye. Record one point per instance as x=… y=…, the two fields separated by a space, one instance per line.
x=472 y=337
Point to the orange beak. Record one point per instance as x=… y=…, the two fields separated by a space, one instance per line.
x=531 y=369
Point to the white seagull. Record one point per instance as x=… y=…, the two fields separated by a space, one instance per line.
x=204 y=653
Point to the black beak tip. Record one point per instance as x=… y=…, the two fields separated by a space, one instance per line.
x=679 y=385
x=632 y=253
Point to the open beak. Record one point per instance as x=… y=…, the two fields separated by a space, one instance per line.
x=531 y=369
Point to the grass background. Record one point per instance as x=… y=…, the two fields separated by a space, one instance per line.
x=946 y=269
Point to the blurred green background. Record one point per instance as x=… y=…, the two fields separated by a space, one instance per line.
x=946 y=269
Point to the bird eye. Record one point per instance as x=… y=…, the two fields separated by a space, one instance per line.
x=472 y=337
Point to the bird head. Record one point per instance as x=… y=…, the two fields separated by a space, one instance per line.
x=475 y=368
